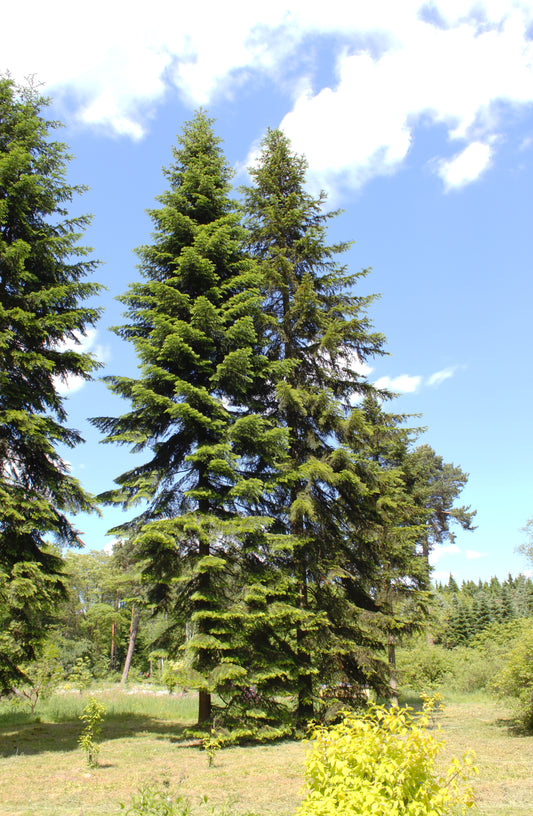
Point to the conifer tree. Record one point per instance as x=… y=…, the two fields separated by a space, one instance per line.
x=400 y=580
x=42 y=316
x=484 y=612
x=192 y=322
x=435 y=486
x=316 y=334
x=506 y=606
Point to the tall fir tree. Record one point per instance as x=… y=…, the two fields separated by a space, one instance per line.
x=316 y=334
x=192 y=322
x=42 y=317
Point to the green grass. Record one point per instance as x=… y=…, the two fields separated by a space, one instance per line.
x=43 y=772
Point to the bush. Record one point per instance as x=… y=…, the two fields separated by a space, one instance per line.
x=472 y=669
x=515 y=680
x=423 y=667
x=383 y=763
x=475 y=667
x=81 y=676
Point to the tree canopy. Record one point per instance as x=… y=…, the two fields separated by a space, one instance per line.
x=44 y=281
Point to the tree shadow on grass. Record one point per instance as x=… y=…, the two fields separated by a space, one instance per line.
x=514 y=727
x=29 y=738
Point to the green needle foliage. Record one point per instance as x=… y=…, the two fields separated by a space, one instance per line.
x=42 y=289
x=279 y=521
x=193 y=322
x=317 y=333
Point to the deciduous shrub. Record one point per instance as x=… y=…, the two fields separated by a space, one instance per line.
x=515 y=681
x=92 y=716
x=422 y=667
x=383 y=764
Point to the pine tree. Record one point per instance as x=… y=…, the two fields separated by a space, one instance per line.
x=435 y=486
x=316 y=334
x=42 y=289
x=192 y=322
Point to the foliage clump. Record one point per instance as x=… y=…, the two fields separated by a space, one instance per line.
x=150 y=801
x=383 y=762
x=41 y=678
x=80 y=676
x=515 y=680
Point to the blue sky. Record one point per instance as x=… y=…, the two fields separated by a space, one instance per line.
x=417 y=118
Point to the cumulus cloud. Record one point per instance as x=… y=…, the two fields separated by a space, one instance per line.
x=403 y=384
x=439 y=552
x=82 y=343
x=399 y=67
x=465 y=167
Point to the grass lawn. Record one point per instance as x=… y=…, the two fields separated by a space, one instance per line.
x=43 y=772
x=504 y=755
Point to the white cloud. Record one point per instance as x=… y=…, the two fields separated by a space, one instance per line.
x=400 y=66
x=403 y=384
x=351 y=362
x=83 y=343
x=457 y=75
x=110 y=546
x=439 y=552
x=465 y=167
x=472 y=554
x=440 y=376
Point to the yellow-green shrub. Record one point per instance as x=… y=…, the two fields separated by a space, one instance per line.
x=383 y=764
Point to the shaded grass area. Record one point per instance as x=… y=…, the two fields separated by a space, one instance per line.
x=42 y=770
x=56 y=725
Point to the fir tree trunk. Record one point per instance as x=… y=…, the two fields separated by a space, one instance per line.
x=305 y=681
x=204 y=706
x=393 y=680
x=131 y=645
x=204 y=583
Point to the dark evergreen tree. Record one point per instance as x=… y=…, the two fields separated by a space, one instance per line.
x=475 y=619
x=452 y=585
x=484 y=617
x=400 y=582
x=458 y=631
x=506 y=605
x=192 y=322
x=42 y=316
x=325 y=539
